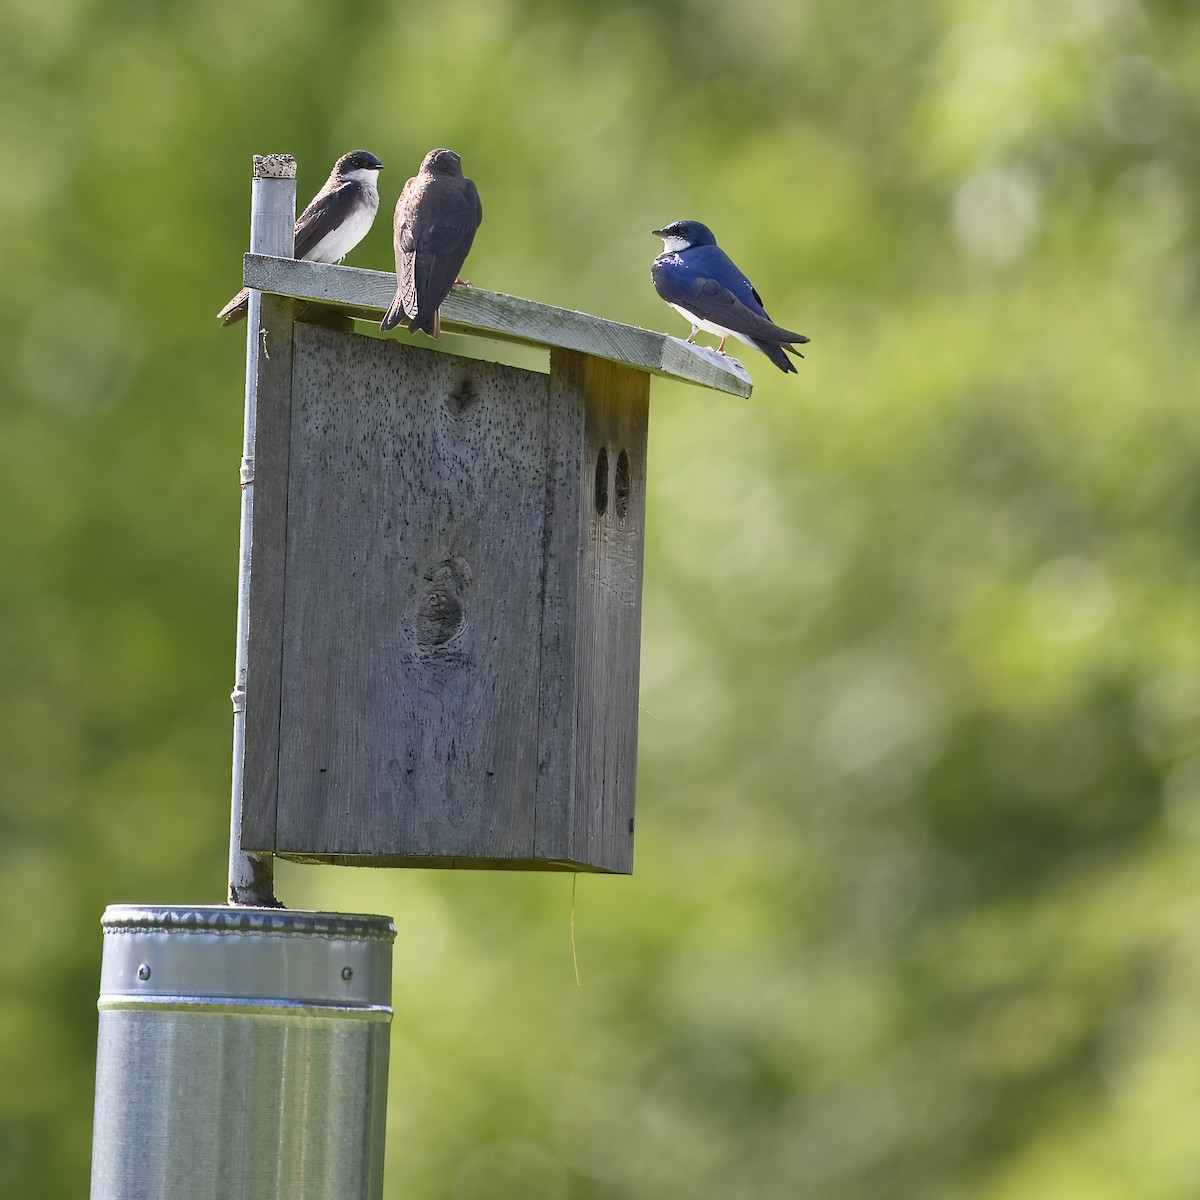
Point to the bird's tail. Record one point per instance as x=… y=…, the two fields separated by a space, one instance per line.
x=394 y=315
x=430 y=325
x=774 y=351
x=236 y=309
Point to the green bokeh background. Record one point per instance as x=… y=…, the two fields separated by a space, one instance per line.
x=916 y=910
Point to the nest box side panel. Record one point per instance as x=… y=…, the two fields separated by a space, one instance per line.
x=410 y=649
x=603 y=445
x=272 y=438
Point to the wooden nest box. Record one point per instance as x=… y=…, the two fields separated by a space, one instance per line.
x=446 y=579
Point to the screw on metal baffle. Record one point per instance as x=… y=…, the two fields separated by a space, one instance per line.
x=347 y=973
x=143 y=972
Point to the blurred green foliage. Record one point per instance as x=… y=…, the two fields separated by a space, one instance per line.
x=916 y=902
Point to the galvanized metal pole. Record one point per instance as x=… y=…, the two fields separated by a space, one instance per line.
x=272 y=231
x=242 y=1053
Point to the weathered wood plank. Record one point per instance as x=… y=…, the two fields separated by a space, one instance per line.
x=446 y=864
x=615 y=402
x=267 y=572
x=495 y=315
x=562 y=543
x=414 y=542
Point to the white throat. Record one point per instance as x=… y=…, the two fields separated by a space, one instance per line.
x=367 y=176
x=673 y=244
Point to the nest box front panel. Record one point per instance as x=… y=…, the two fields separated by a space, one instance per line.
x=409 y=679
x=445 y=605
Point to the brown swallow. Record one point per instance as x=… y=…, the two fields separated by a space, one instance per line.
x=336 y=220
x=436 y=218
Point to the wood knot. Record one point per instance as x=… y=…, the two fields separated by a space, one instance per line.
x=438 y=612
x=463 y=398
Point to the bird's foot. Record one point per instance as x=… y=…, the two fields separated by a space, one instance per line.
x=462 y=282
x=721 y=347
x=691 y=337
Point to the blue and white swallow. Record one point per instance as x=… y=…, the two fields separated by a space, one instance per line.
x=700 y=282
x=336 y=220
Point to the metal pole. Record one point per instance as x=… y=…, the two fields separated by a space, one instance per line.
x=272 y=231
x=243 y=1053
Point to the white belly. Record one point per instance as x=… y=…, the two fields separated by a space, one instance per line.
x=333 y=247
x=709 y=327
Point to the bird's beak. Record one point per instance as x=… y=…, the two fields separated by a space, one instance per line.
x=657 y=232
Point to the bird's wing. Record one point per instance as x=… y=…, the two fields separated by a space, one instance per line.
x=406 y=213
x=693 y=288
x=473 y=193
x=446 y=215
x=327 y=210
x=436 y=239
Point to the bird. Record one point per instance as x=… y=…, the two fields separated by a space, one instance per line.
x=700 y=282
x=336 y=220
x=436 y=218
